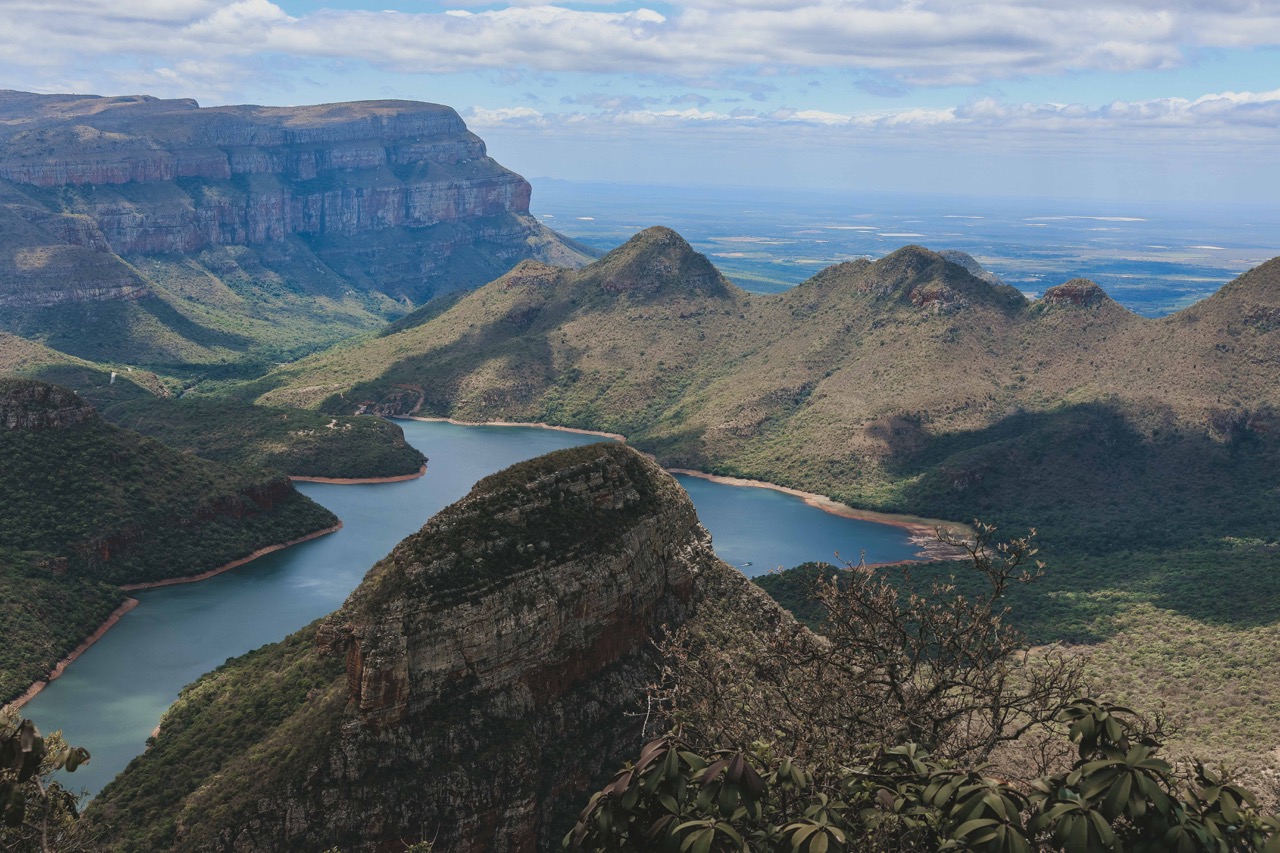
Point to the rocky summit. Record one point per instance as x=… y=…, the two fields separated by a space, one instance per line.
x=483 y=675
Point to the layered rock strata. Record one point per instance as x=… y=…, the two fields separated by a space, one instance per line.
x=138 y=175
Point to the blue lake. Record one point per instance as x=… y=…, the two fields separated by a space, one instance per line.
x=113 y=696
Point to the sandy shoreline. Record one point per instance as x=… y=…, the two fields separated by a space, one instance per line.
x=612 y=435
x=360 y=481
x=826 y=504
x=234 y=564
x=923 y=531
x=32 y=691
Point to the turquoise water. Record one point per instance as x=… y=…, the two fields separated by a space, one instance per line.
x=111 y=699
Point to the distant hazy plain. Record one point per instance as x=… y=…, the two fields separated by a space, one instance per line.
x=1153 y=259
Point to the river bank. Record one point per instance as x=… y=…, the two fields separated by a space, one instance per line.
x=612 y=435
x=923 y=531
x=34 y=690
x=130 y=603
x=184 y=631
x=234 y=564
x=360 y=481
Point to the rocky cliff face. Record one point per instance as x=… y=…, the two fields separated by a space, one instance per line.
x=243 y=175
x=34 y=406
x=526 y=588
x=488 y=671
x=88 y=176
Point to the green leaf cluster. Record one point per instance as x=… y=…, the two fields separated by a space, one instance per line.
x=1118 y=796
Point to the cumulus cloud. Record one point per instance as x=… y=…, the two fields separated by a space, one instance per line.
x=892 y=43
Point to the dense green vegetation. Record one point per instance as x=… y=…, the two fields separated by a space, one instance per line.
x=209 y=728
x=43 y=617
x=220 y=428
x=300 y=442
x=794 y=589
x=84 y=504
x=124 y=508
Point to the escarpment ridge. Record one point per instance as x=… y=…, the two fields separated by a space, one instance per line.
x=343 y=214
x=492 y=665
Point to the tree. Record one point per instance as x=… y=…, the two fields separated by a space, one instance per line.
x=36 y=812
x=895 y=662
x=1118 y=795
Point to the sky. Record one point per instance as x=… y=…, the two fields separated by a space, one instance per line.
x=1151 y=100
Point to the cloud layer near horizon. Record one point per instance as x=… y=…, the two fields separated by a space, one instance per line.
x=1248 y=116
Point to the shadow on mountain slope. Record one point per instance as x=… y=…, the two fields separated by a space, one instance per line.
x=1124 y=510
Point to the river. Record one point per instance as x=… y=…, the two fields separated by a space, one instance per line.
x=112 y=697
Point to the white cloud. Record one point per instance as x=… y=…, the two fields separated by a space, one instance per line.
x=1241 y=118
x=481 y=117
x=919 y=42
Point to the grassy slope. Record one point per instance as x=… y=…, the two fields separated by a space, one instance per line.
x=1144 y=450
x=90 y=504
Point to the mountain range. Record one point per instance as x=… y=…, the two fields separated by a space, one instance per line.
x=904 y=384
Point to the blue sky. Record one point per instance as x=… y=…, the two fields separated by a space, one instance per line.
x=1146 y=99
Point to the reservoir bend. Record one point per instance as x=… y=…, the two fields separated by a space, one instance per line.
x=113 y=696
